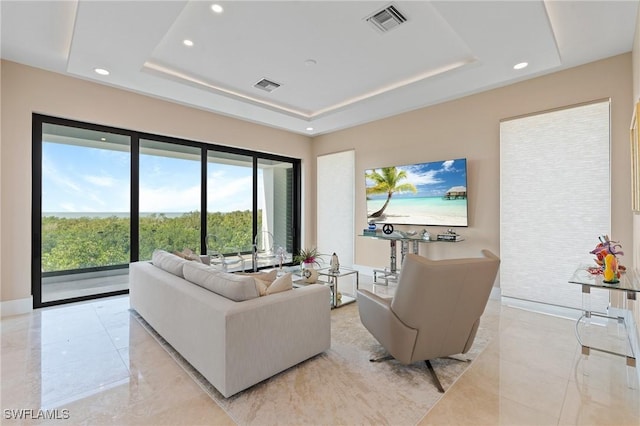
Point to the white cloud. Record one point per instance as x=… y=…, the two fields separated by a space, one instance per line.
x=447 y=165
x=169 y=199
x=102 y=181
x=49 y=172
x=425 y=178
x=229 y=194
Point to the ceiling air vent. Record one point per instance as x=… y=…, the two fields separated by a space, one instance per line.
x=387 y=19
x=267 y=85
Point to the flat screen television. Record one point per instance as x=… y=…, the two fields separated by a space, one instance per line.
x=433 y=193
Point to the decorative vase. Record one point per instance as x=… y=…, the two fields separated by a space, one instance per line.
x=309 y=273
x=610 y=273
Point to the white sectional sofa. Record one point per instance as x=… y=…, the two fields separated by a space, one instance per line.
x=233 y=344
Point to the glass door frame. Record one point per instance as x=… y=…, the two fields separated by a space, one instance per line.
x=36 y=210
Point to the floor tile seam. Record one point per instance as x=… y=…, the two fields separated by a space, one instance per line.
x=87 y=393
x=555 y=350
x=106 y=330
x=621 y=391
x=524 y=330
x=595 y=402
x=528 y=365
x=544 y=412
x=465 y=372
x=564 y=400
x=557 y=415
x=540 y=370
x=94 y=351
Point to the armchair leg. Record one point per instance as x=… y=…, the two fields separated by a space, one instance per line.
x=435 y=376
x=384 y=358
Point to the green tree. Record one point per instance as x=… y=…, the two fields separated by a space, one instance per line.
x=87 y=242
x=387 y=182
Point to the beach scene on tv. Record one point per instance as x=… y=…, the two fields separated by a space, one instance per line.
x=433 y=193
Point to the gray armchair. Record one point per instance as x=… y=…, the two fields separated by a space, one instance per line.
x=435 y=311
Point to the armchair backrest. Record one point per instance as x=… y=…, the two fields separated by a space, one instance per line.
x=443 y=300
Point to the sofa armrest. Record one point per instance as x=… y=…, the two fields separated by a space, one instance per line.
x=377 y=317
x=272 y=333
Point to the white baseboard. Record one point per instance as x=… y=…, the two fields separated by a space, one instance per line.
x=16 y=307
x=363 y=270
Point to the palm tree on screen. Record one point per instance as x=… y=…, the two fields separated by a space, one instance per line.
x=387 y=182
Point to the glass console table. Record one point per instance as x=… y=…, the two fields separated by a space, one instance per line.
x=330 y=279
x=391 y=273
x=612 y=332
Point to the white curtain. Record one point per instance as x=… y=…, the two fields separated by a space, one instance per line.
x=335 y=183
x=554 y=201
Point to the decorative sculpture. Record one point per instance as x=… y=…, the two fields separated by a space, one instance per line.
x=334 y=265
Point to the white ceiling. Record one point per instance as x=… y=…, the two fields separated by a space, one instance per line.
x=445 y=50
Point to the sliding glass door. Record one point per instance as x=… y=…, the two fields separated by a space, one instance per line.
x=229 y=208
x=169 y=193
x=104 y=197
x=276 y=200
x=85 y=214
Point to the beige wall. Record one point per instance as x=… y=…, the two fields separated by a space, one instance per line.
x=469 y=127
x=636 y=98
x=636 y=60
x=636 y=217
x=26 y=90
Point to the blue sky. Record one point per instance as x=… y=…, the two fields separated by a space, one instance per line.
x=79 y=179
x=431 y=179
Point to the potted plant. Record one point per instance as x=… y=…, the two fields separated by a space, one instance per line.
x=308 y=258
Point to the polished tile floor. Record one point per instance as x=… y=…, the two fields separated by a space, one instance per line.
x=92 y=363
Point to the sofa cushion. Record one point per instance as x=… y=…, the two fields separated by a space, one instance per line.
x=282 y=283
x=262 y=279
x=232 y=286
x=168 y=262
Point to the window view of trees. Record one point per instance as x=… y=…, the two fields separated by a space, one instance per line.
x=169 y=189
x=229 y=188
x=89 y=242
x=83 y=201
x=85 y=198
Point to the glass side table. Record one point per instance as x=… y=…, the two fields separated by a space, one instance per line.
x=598 y=335
x=332 y=280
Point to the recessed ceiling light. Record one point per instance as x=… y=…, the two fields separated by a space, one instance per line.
x=101 y=71
x=520 y=66
x=103 y=139
x=217 y=8
x=187 y=42
x=309 y=129
x=310 y=62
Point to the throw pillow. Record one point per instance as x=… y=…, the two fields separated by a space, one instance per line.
x=283 y=283
x=269 y=277
x=188 y=254
x=168 y=262
x=261 y=286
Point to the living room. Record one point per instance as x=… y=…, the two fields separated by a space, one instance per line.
x=463 y=127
